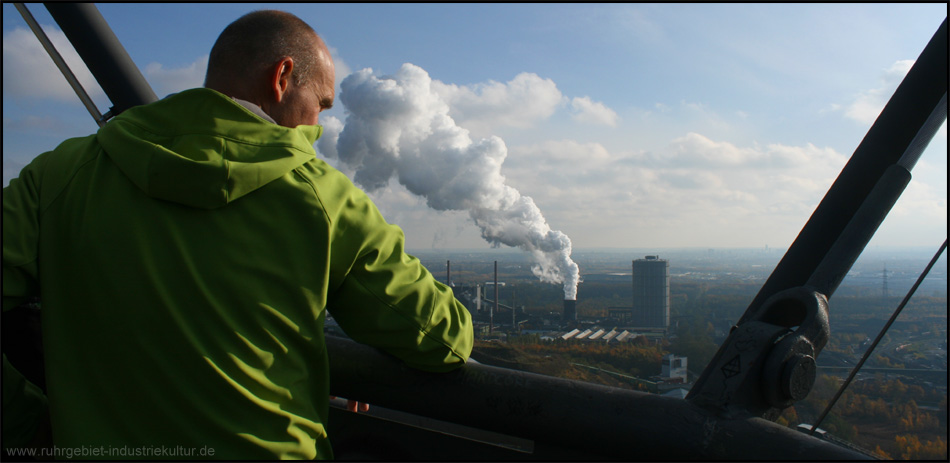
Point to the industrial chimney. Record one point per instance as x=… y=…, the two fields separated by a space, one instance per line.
x=491 y=313
x=570 y=310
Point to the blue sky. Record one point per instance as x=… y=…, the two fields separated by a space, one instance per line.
x=628 y=125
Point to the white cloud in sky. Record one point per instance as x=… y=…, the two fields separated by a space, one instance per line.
x=520 y=102
x=565 y=174
x=696 y=184
x=326 y=144
x=687 y=192
x=340 y=68
x=566 y=151
x=867 y=105
x=593 y=112
x=165 y=80
x=696 y=150
x=922 y=201
x=696 y=188
x=29 y=72
x=699 y=151
x=763 y=176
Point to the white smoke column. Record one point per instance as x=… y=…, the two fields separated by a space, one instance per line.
x=398 y=126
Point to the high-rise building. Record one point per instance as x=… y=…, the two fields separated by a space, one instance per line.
x=651 y=292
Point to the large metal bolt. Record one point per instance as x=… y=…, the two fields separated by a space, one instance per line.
x=798 y=376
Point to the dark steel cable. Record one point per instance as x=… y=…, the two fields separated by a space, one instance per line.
x=880 y=336
x=61 y=64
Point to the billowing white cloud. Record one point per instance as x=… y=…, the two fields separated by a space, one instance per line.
x=326 y=145
x=520 y=102
x=592 y=112
x=29 y=72
x=399 y=127
x=868 y=105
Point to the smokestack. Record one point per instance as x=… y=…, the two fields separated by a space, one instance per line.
x=514 y=319
x=491 y=315
x=448 y=273
x=570 y=310
x=478 y=299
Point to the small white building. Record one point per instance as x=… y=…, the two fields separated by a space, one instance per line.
x=674 y=368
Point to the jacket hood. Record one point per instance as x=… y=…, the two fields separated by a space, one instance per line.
x=201 y=149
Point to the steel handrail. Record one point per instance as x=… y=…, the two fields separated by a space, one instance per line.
x=601 y=421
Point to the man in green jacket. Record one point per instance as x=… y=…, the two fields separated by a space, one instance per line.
x=185 y=257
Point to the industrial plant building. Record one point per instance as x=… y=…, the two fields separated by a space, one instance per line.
x=649 y=312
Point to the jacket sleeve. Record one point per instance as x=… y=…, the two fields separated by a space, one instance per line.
x=387 y=299
x=21 y=210
x=24 y=405
x=24 y=200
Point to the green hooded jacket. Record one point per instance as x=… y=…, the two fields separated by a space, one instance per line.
x=185 y=256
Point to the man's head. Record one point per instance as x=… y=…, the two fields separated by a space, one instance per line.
x=275 y=60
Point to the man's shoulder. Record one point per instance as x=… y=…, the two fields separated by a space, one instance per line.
x=49 y=173
x=67 y=157
x=332 y=188
x=319 y=172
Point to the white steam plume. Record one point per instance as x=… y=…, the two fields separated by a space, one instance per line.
x=398 y=126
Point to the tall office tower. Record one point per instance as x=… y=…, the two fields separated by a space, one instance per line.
x=651 y=292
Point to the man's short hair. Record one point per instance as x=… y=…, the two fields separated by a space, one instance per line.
x=257 y=40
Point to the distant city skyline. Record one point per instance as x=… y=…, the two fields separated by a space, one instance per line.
x=903 y=265
x=623 y=125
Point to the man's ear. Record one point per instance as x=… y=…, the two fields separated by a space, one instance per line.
x=280 y=76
